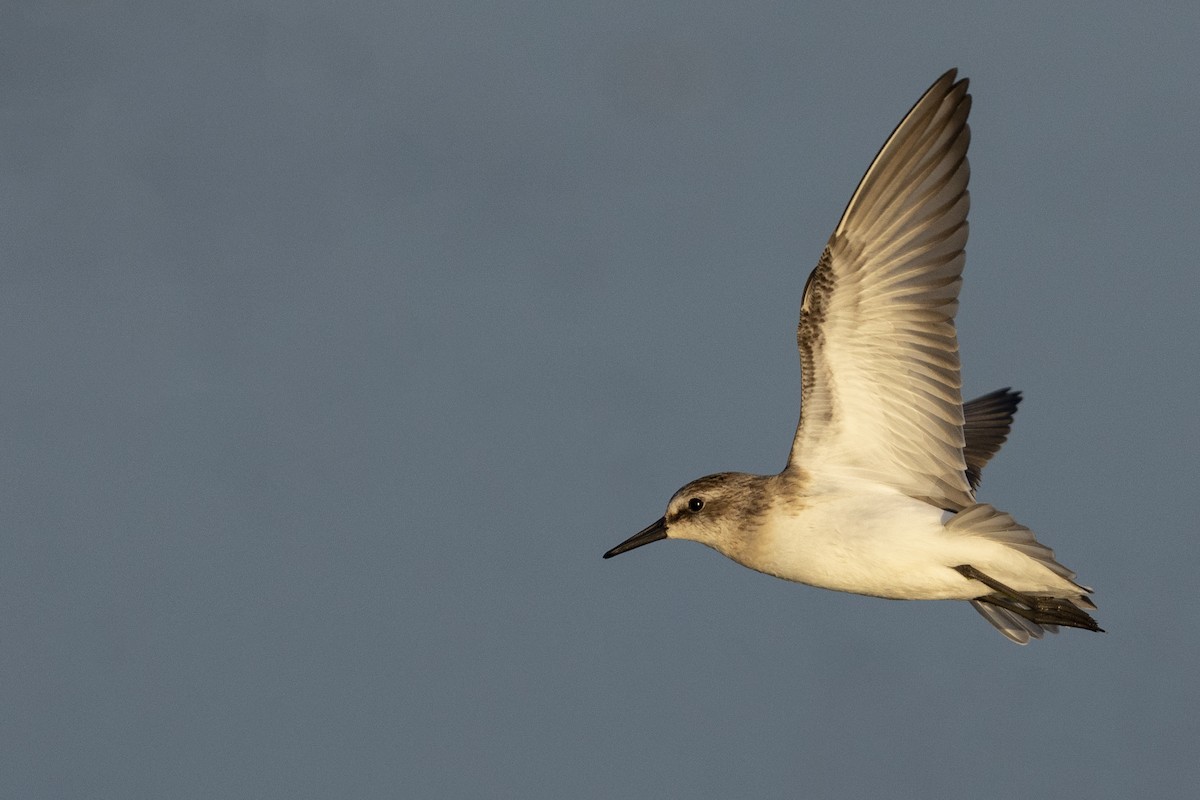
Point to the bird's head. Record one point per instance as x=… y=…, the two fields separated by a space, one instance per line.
x=717 y=510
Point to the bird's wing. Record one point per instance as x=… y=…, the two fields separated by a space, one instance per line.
x=986 y=422
x=881 y=395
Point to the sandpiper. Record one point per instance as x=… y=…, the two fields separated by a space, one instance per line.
x=878 y=495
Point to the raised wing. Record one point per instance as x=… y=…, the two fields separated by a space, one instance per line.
x=881 y=395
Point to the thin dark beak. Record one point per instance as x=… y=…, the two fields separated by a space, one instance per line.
x=656 y=531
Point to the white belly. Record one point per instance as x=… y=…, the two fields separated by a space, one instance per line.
x=888 y=545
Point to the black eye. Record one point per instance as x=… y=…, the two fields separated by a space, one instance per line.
x=695 y=504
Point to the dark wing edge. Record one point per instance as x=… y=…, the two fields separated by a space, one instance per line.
x=988 y=420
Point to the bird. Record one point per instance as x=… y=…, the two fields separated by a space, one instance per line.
x=878 y=496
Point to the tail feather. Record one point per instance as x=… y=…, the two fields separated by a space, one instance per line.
x=991 y=523
x=1014 y=626
x=1018 y=615
x=1019 y=620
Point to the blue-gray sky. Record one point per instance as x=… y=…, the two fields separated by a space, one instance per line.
x=340 y=340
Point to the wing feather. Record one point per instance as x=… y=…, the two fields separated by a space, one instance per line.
x=988 y=420
x=881 y=394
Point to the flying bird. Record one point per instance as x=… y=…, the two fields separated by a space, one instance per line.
x=878 y=495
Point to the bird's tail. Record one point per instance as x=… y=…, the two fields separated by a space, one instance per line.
x=1021 y=621
x=1019 y=615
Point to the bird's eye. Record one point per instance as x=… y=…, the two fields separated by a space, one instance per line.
x=695 y=504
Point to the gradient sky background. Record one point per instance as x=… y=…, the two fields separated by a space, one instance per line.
x=340 y=340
